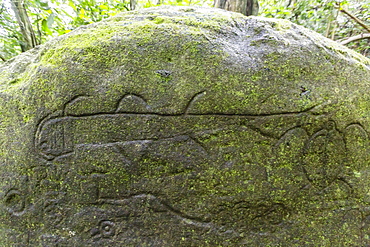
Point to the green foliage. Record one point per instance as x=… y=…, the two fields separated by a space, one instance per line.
x=51 y=18
x=89 y=11
x=56 y=17
x=324 y=17
x=9 y=34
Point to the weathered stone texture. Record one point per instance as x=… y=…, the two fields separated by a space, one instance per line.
x=185 y=127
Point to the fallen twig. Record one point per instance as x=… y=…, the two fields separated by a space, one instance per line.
x=355 y=38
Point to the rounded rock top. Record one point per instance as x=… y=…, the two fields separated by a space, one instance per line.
x=185 y=126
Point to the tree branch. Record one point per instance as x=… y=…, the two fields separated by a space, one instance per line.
x=2 y=58
x=355 y=38
x=362 y=24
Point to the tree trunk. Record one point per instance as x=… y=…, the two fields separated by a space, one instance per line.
x=28 y=39
x=133 y=4
x=246 y=7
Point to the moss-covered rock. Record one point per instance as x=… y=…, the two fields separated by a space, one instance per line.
x=185 y=127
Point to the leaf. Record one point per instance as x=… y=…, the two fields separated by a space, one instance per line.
x=72 y=5
x=50 y=20
x=103 y=6
x=42 y=4
x=82 y=14
x=45 y=28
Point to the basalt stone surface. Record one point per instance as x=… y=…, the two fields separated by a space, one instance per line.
x=185 y=127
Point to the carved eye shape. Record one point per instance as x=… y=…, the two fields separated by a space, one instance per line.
x=14 y=201
x=107 y=229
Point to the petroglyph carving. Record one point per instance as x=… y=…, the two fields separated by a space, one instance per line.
x=358 y=144
x=105 y=229
x=133 y=104
x=140 y=128
x=324 y=154
x=59 y=135
x=53 y=208
x=170 y=127
x=141 y=204
x=14 y=201
x=134 y=137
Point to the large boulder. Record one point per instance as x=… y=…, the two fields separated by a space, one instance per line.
x=185 y=127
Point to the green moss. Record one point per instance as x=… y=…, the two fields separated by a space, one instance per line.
x=282 y=25
x=238 y=172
